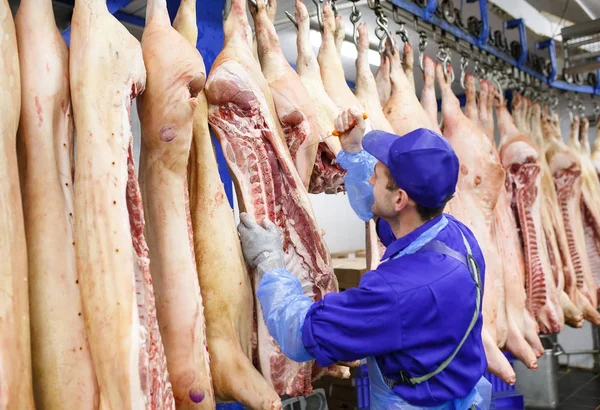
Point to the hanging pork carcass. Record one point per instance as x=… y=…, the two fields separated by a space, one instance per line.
x=328 y=175
x=566 y=172
x=590 y=196
x=106 y=73
x=479 y=183
x=176 y=74
x=63 y=374
x=229 y=310
x=522 y=340
x=243 y=115
x=15 y=355
x=556 y=239
x=521 y=160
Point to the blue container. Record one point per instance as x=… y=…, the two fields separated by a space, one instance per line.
x=362 y=387
x=230 y=406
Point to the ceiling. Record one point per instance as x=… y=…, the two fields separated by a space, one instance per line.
x=576 y=11
x=566 y=11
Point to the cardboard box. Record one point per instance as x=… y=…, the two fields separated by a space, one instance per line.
x=349 y=271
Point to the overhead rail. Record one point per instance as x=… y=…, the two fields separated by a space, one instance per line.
x=475 y=40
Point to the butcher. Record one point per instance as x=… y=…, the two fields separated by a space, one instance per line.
x=416 y=319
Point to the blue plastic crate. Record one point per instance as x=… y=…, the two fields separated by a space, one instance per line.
x=362 y=387
x=230 y=406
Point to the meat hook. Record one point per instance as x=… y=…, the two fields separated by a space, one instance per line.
x=477 y=70
x=381 y=31
x=463 y=66
x=403 y=33
x=355 y=17
x=494 y=78
x=334 y=7
x=319 y=16
x=292 y=19
x=570 y=107
x=422 y=47
x=253 y=3
x=445 y=58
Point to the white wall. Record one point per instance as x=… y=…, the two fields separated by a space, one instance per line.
x=577 y=339
x=344 y=231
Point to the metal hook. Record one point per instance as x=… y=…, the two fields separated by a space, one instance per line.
x=382 y=30
x=477 y=69
x=319 y=16
x=463 y=66
x=444 y=57
x=355 y=17
x=253 y=3
x=422 y=47
x=334 y=7
x=403 y=33
x=292 y=19
x=493 y=77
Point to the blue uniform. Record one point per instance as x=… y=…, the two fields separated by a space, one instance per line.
x=408 y=315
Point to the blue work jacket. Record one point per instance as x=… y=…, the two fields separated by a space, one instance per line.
x=410 y=314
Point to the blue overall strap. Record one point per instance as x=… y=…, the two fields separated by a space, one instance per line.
x=440 y=247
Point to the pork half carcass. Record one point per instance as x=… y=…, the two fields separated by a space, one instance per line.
x=176 y=75
x=63 y=375
x=367 y=95
x=429 y=104
x=333 y=79
x=228 y=308
x=522 y=162
x=428 y=99
x=403 y=110
x=295 y=109
x=15 y=354
x=556 y=239
x=566 y=173
x=590 y=198
x=366 y=87
x=242 y=114
x=328 y=175
x=330 y=63
x=507 y=242
x=382 y=77
x=107 y=72
x=479 y=184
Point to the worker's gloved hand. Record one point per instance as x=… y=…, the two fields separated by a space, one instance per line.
x=262 y=246
x=351 y=126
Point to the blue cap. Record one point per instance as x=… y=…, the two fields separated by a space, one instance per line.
x=421 y=162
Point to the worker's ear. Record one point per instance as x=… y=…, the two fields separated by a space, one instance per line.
x=401 y=200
